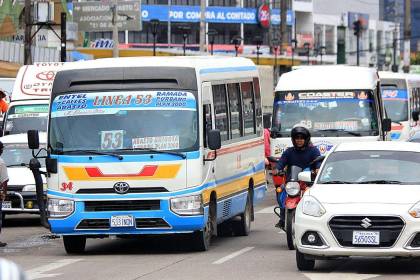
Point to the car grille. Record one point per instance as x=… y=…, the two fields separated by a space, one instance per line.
x=93 y=224
x=141 y=223
x=151 y=223
x=131 y=190
x=388 y=226
x=122 y=205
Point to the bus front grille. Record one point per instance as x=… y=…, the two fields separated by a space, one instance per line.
x=122 y=205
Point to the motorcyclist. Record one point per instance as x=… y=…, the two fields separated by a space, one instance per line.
x=301 y=154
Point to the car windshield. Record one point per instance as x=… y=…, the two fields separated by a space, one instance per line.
x=124 y=121
x=395 y=102
x=363 y=167
x=330 y=113
x=21 y=118
x=16 y=154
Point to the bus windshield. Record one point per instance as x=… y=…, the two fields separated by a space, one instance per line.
x=328 y=113
x=124 y=121
x=21 y=118
x=395 y=102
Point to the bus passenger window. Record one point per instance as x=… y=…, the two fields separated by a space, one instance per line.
x=220 y=110
x=248 y=108
x=236 y=129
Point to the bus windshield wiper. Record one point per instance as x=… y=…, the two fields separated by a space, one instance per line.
x=381 y=182
x=156 y=152
x=339 y=130
x=337 y=182
x=397 y=122
x=95 y=152
x=17 y=165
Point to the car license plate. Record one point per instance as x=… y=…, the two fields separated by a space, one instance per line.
x=122 y=221
x=366 y=237
x=6 y=205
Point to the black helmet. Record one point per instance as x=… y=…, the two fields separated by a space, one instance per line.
x=304 y=132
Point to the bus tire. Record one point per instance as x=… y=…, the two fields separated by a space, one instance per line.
x=202 y=238
x=244 y=226
x=74 y=244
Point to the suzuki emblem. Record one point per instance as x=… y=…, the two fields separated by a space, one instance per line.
x=366 y=222
x=121 y=187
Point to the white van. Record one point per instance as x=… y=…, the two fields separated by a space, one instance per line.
x=336 y=103
x=29 y=104
x=401 y=97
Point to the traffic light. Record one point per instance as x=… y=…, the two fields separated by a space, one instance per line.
x=357 y=27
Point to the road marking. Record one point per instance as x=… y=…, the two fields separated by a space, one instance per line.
x=233 y=255
x=339 y=275
x=267 y=210
x=37 y=273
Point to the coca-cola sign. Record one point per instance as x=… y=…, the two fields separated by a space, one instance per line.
x=264 y=16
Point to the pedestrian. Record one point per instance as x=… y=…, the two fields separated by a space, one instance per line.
x=4 y=178
x=267 y=125
x=3 y=104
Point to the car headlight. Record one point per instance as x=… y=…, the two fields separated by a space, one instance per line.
x=415 y=210
x=187 y=205
x=292 y=188
x=312 y=207
x=32 y=188
x=60 y=207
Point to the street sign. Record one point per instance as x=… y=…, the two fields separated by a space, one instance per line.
x=97 y=16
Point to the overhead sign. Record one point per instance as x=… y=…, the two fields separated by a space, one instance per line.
x=213 y=14
x=97 y=16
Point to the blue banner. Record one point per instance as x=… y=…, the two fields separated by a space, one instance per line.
x=213 y=14
x=395 y=94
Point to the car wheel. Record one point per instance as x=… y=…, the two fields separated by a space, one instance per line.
x=303 y=263
x=74 y=244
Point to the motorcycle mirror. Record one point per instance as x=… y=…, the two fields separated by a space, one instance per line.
x=305 y=176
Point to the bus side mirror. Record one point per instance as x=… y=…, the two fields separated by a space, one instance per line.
x=51 y=165
x=274 y=132
x=415 y=116
x=213 y=139
x=386 y=125
x=33 y=139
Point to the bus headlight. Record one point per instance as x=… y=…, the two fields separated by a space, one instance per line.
x=32 y=188
x=60 y=207
x=187 y=205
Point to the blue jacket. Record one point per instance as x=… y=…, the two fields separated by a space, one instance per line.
x=301 y=158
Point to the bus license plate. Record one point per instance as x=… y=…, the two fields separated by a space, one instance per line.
x=122 y=221
x=366 y=237
x=6 y=205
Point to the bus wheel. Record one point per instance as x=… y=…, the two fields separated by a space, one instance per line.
x=74 y=244
x=244 y=226
x=202 y=238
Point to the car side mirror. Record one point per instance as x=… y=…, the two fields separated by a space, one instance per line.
x=214 y=140
x=33 y=139
x=415 y=116
x=305 y=176
x=386 y=125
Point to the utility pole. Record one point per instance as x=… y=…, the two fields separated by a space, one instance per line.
x=202 y=25
x=115 y=51
x=407 y=35
x=28 y=27
x=283 y=25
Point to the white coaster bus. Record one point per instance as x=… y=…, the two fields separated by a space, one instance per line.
x=401 y=97
x=336 y=103
x=154 y=146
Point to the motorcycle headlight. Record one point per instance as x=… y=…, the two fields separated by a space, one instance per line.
x=187 y=205
x=292 y=188
x=312 y=207
x=415 y=210
x=60 y=207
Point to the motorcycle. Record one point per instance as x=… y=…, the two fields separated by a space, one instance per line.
x=288 y=182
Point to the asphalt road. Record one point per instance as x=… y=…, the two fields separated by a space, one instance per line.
x=261 y=255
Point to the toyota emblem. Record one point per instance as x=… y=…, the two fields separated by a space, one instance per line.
x=121 y=187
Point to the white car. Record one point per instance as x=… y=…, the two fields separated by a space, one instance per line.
x=365 y=202
x=21 y=193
